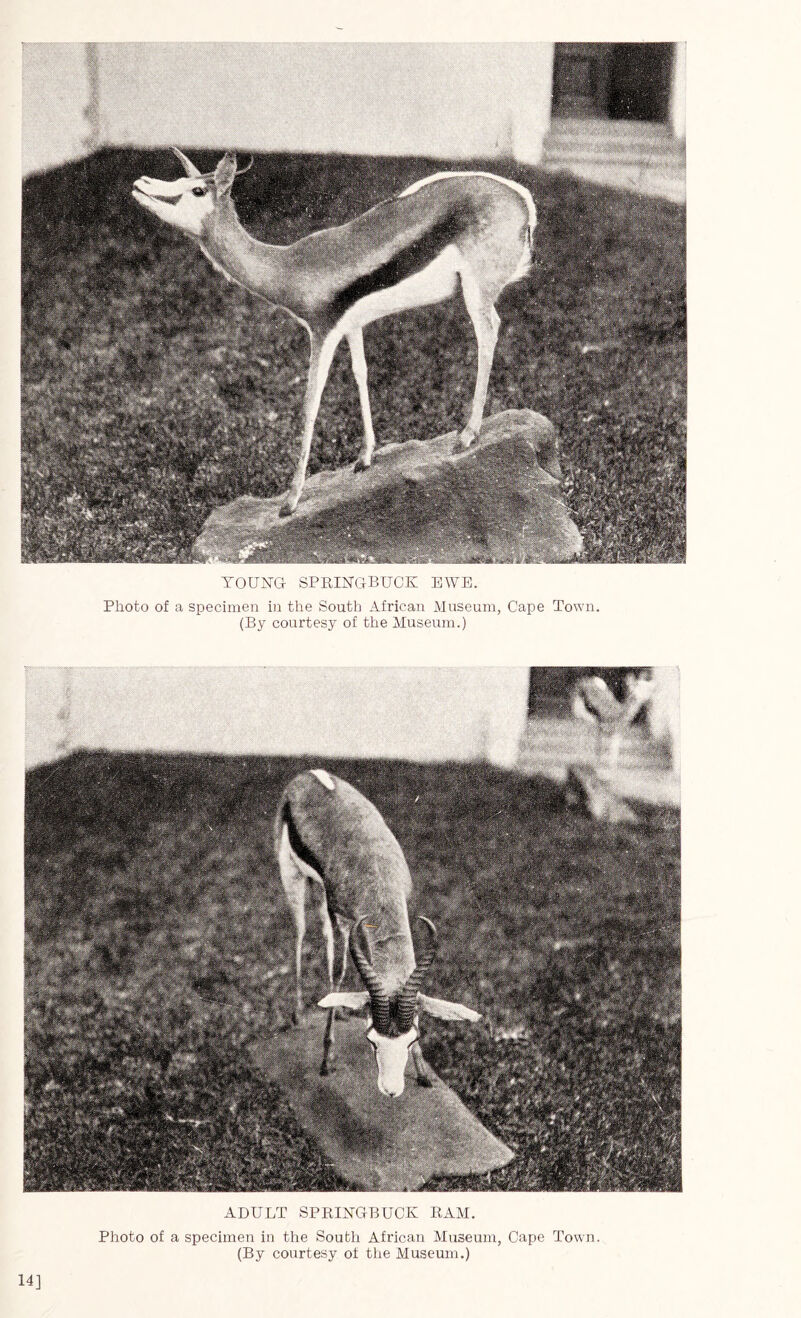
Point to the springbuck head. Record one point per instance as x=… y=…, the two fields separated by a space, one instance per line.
x=394 y=1029
x=639 y=686
x=188 y=203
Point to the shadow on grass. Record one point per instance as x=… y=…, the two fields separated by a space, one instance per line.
x=158 y=948
x=153 y=391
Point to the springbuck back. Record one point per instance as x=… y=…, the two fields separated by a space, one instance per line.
x=468 y=231
x=329 y=835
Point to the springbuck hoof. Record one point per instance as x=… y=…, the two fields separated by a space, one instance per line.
x=361 y=464
x=287 y=508
x=465 y=440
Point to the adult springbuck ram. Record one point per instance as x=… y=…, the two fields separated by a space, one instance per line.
x=468 y=231
x=328 y=833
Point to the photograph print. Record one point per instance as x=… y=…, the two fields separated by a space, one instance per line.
x=353 y=302
x=276 y=941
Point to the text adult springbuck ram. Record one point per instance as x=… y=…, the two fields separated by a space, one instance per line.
x=468 y=231
x=327 y=832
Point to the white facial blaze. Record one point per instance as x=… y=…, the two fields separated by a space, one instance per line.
x=184 y=203
x=391 y=1055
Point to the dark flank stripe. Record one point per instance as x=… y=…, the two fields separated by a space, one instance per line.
x=409 y=261
x=297 y=844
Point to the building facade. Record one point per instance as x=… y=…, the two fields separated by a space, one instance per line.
x=565 y=105
x=418 y=714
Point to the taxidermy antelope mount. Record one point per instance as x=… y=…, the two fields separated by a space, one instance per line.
x=471 y=231
x=328 y=833
x=592 y=701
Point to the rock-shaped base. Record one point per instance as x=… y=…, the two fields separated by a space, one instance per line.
x=373 y=1142
x=586 y=789
x=499 y=501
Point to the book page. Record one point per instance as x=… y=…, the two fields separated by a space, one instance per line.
x=573 y=773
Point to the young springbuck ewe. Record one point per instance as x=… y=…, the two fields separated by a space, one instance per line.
x=327 y=832
x=468 y=231
x=592 y=701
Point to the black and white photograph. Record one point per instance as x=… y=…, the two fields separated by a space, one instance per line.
x=279 y=941
x=353 y=302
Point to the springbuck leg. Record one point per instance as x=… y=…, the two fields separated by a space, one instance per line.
x=413 y=250
x=486 y=323
x=328 y=937
x=333 y=835
x=359 y=364
x=328 y=1037
x=293 y=881
x=322 y=353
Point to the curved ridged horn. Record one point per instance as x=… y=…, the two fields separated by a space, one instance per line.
x=248 y=166
x=191 y=170
x=379 y=1000
x=407 y=1000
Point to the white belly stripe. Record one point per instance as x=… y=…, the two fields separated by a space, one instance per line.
x=286 y=850
x=434 y=283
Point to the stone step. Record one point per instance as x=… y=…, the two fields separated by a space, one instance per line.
x=533 y=764
x=632 y=153
x=557 y=741
x=618 y=128
x=554 y=739
x=595 y=142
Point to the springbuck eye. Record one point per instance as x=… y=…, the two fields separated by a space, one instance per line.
x=198 y=192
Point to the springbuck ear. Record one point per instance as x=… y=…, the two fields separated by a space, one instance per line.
x=447 y=1011
x=350 y=1001
x=225 y=173
x=189 y=169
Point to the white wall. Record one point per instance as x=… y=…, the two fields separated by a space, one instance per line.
x=55 y=98
x=46 y=702
x=449 y=100
x=678 y=91
x=397 y=713
x=663 y=712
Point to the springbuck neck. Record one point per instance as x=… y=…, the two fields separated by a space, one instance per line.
x=328 y=837
x=467 y=231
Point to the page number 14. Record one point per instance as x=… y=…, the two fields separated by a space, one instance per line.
x=32 y=1279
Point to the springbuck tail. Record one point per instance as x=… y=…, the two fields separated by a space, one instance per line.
x=470 y=231
x=329 y=835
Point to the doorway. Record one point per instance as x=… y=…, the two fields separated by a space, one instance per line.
x=628 y=80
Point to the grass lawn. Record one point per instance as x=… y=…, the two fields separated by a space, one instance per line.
x=159 y=947
x=153 y=391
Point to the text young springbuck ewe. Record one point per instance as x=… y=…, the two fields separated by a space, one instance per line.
x=327 y=832
x=471 y=231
